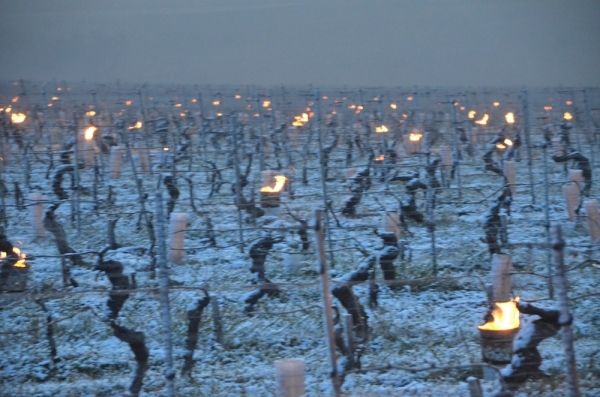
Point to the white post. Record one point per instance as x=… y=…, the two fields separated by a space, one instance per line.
x=510 y=173
x=571 y=191
x=37 y=214
x=177 y=229
x=446 y=155
x=289 y=376
x=501 y=269
x=391 y=223
x=593 y=217
x=116 y=159
x=143 y=156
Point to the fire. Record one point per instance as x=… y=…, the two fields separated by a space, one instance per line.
x=136 y=126
x=381 y=157
x=352 y=107
x=404 y=115
x=219 y=114
x=415 y=136
x=360 y=107
x=462 y=108
x=89 y=133
x=128 y=102
x=16 y=251
x=59 y=89
x=393 y=105
x=472 y=114
x=547 y=108
x=17 y=118
x=280 y=181
x=510 y=117
x=182 y=114
x=237 y=96
x=506 y=317
x=194 y=100
x=569 y=103
x=8 y=109
x=496 y=104
x=325 y=97
x=216 y=103
x=91 y=113
x=409 y=98
x=381 y=129
x=504 y=144
x=484 y=120
x=266 y=104
x=177 y=105
x=568 y=116
x=55 y=98
x=15 y=99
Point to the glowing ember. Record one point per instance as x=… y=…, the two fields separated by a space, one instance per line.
x=17 y=118
x=472 y=114
x=510 y=117
x=568 y=116
x=569 y=103
x=280 y=181
x=91 y=113
x=128 y=102
x=483 y=121
x=393 y=105
x=547 y=108
x=506 y=316
x=415 y=136
x=15 y=99
x=381 y=157
x=55 y=98
x=194 y=100
x=381 y=129
x=237 y=96
x=409 y=98
x=182 y=114
x=16 y=251
x=496 y=104
x=136 y=126
x=177 y=105
x=216 y=103
x=89 y=133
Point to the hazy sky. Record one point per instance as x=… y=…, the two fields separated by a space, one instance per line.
x=323 y=42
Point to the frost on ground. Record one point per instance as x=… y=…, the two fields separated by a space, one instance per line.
x=432 y=325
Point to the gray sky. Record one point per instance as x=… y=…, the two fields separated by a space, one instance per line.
x=323 y=42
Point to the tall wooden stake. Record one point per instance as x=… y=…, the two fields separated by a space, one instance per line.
x=163 y=276
x=456 y=151
x=76 y=213
x=565 y=319
x=238 y=184
x=528 y=142
x=547 y=225
x=325 y=292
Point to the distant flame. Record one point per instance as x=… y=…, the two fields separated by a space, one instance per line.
x=237 y=96
x=381 y=157
x=351 y=106
x=219 y=114
x=55 y=98
x=483 y=121
x=496 y=104
x=15 y=99
x=166 y=149
x=393 y=105
x=409 y=98
x=91 y=113
x=568 y=116
x=569 y=103
x=136 y=126
x=381 y=129
x=462 y=108
x=304 y=118
x=404 y=115
x=504 y=144
x=194 y=100
x=89 y=133
x=177 y=105
x=8 y=109
x=472 y=114
x=280 y=181
x=128 y=102
x=506 y=317
x=415 y=136
x=216 y=103
x=510 y=117
x=360 y=107
x=182 y=114
x=266 y=104
x=547 y=108
x=325 y=97
x=17 y=118
x=20 y=262
x=59 y=89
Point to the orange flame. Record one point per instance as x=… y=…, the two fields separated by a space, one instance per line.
x=17 y=118
x=128 y=102
x=547 y=108
x=237 y=96
x=266 y=104
x=136 y=126
x=393 y=105
x=472 y=114
x=409 y=98
x=15 y=99
x=216 y=103
x=496 y=104
x=506 y=317
x=415 y=137
x=89 y=133
x=22 y=257
x=483 y=121
x=280 y=181
x=569 y=103
x=55 y=98
x=568 y=116
x=381 y=129
x=194 y=100
x=510 y=117
x=90 y=113
x=381 y=157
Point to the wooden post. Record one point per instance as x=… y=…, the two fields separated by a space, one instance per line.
x=143 y=156
x=116 y=159
x=391 y=223
x=593 y=218
x=216 y=318
x=289 y=375
x=238 y=182
x=565 y=319
x=510 y=175
x=571 y=191
x=547 y=224
x=474 y=387
x=37 y=215
x=528 y=142
x=177 y=231
x=325 y=293
x=446 y=155
x=76 y=176
x=456 y=149
x=501 y=280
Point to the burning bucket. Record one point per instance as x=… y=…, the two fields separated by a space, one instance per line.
x=15 y=271
x=497 y=335
x=270 y=197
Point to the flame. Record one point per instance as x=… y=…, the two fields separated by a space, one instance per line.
x=547 y=108
x=280 y=181
x=166 y=149
x=128 y=102
x=136 y=126
x=15 y=99
x=8 y=109
x=510 y=117
x=569 y=103
x=409 y=98
x=177 y=105
x=297 y=123
x=89 y=133
x=504 y=144
x=22 y=257
x=91 y=113
x=484 y=120
x=304 y=118
x=266 y=104
x=415 y=136
x=55 y=98
x=568 y=116
x=496 y=104
x=381 y=157
x=381 y=129
x=462 y=108
x=352 y=107
x=182 y=114
x=325 y=97
x=219 y=114
x=216 y=103
x=393 y=105
x=472 y=114
x=506 y=317
x=194 y=100
x=17 y=118
x=237 y=96
x=360 y=107
x=50 y=105
x=59 y=89
x=404 y=115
